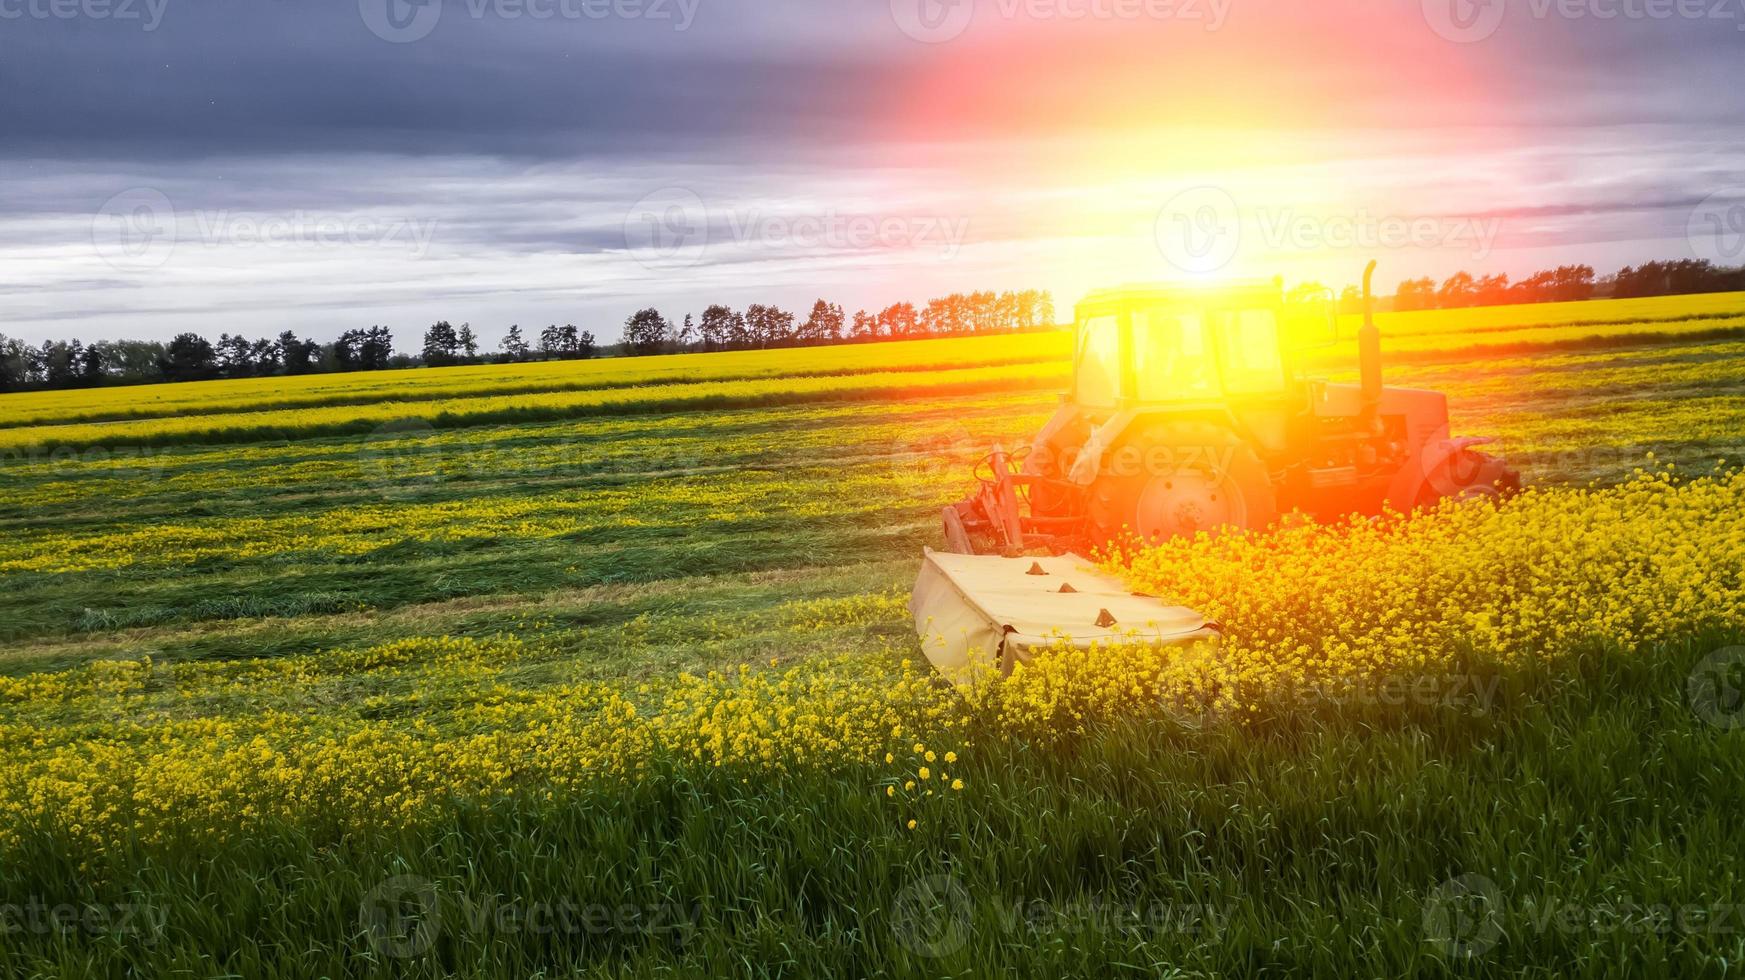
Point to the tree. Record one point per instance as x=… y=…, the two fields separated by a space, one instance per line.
x=768 y=326
x=715 y=328
x=1457 y=291
x=1415 y=294
x=299 y=356
x=441 y=344
x=235 y=356
x=1045 y=309
x=897 y=320
x=469 y=344
x=14 y=364
x=687 y=334
x=646 y=331
x=586 y=345
x=514 y=345
x=1492 y=290
x=265 y=354
x=130 y=360
x=865 y=326
x=377 y=347
x=823 y=325
x=1571 y=283
x=59 y=362
x=189 y=357
x=343 y=352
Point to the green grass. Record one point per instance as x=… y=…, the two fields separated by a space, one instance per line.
x=1588 y=801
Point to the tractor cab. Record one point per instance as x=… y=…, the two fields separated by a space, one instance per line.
x=1174 y=345
x=1189 y=412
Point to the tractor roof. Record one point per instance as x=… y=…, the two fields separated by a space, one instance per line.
x=1256 y=292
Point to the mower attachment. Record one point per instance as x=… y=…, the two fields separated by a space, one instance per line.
x=979 y=615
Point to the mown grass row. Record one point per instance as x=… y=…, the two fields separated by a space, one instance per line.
x=113 y=406
x=390 y=418
x=254 y=394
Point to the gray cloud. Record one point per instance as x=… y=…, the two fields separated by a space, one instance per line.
x=527 y=143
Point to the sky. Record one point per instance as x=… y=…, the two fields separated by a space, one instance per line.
x=316 y=165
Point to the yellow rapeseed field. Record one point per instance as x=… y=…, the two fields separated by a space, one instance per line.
x=115 y=752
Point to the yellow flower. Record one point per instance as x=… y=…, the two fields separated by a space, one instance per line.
x=909 y=785
x=890 y=791
x=951 y=757
x=930 y=757
x=957 y=784
x=911 y=825
x=926 y=773
x=889 y=758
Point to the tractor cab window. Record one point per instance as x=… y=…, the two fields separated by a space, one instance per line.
x=1098 y=373
x=1250 y=342
x=1171 y=360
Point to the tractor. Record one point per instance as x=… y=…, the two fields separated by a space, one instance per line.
x=1190 y=412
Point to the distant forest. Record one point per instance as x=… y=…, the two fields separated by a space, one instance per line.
x=190 y=357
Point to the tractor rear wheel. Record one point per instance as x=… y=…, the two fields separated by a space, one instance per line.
x=1170 y=479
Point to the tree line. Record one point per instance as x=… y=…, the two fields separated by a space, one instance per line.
x=1566 y=283
x=191 y=357
x=758 y=326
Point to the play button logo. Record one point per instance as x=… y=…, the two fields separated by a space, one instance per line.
x=1464 y=21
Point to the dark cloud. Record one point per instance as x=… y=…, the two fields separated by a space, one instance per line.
x=759 y=79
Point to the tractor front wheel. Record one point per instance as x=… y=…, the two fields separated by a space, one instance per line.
x=956 y=535
x=1468 y=475
x=1179 y=478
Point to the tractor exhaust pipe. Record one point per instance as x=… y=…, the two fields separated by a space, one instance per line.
x=1369 y=345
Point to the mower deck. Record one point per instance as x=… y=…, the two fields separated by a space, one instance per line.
x=982 y=614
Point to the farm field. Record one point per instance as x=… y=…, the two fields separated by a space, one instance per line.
x=605 y=668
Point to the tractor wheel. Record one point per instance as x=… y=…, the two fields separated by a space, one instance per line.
x=1170 y=479
x=956 y=535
